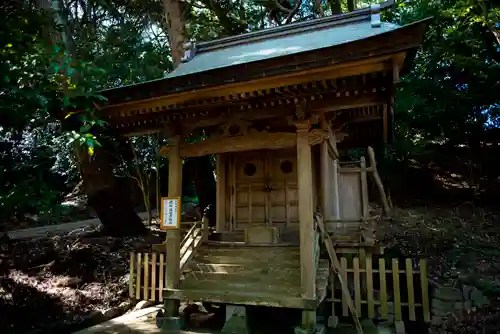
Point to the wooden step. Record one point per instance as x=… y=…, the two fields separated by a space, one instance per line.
x=243 y=249
x=277 y=277
x=243 y=269
x=280 y=256
x=250 y=261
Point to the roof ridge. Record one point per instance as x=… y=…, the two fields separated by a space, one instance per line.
x=192 y=48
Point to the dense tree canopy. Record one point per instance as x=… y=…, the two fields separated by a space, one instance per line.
x=59 y=54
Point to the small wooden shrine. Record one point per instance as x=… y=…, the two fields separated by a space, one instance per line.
x=276 y=107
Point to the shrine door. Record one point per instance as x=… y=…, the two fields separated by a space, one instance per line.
x=263 y=189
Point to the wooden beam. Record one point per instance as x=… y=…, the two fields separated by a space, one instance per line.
x=244 y=298
x=306 y=211
x=251 y=141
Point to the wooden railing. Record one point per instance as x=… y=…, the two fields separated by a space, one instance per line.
x=316 y=241
x=147 y=270
x=381 y=291
x=192 y=240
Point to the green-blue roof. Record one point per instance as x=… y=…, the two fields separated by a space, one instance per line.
x=289 y=44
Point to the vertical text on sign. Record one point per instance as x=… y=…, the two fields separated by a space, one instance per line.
x=170 y=213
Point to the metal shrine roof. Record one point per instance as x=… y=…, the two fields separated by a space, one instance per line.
x=284 y=49
x=320 y=35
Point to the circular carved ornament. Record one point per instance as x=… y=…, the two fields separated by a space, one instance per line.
x=249 y=169
x=286 y=167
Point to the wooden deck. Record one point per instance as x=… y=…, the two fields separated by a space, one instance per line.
x=140 y=322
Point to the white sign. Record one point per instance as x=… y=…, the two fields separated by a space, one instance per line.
x=170 y=213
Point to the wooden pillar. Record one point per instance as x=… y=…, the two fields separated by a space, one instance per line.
x=325 y=180
x=306 y=211
x=173 y=242
x=221 y=193
x=306 y=221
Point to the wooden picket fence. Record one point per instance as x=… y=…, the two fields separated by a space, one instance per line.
x=377 y=289
x=147 y=276
x=147 y=270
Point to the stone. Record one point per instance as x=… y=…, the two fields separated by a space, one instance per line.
x=261 y=235
x=318 y=329
x=68 y=282
x=236 y=320
x=368 y=326
x=466 y=291
x=124 y=305
x=390 y=313
x=201 y=308
x=384 y=328
x=346 y=329
x=399 y=327
x=447 y=294
x=333 y=321
x=441 y=307
x=437 y=320
x=478 y=299
x=300 y=330
x=143 y=304
x=169 y=325
x=111 y=313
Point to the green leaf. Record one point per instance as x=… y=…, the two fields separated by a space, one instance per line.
x=85 y=128
x=100 y=97
x=68 y=115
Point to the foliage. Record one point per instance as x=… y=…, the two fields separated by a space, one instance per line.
x=448 y=101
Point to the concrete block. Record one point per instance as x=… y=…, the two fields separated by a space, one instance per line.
x=169 y=325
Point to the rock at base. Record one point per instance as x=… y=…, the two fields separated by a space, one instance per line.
x=168 y=325
x=319 y=329
x=236 y=320
x=143 y=304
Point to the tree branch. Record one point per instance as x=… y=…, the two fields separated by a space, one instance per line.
x=321 y=12
x=293 y=12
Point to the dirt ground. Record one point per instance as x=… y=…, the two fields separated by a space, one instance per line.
x=69 y=282
x=462 y=245
x=64 y=283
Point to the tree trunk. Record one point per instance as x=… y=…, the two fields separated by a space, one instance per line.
x=335 y=6
x=351 y=5
x=201 y=171
x=174 y=14
x=106 y=195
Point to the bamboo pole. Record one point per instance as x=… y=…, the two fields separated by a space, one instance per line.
x=378 y=181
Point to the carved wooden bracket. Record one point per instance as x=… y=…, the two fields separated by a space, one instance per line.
x=316 y=136
x=235 y=128
x=165 y=150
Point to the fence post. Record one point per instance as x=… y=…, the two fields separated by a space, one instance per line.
x=204 y=226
